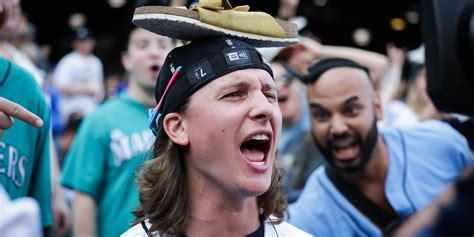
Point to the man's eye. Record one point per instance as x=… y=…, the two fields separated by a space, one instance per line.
x=351 y=111
x=233 y=94
x=271 y=97
x=320 y=115
x=141 y=44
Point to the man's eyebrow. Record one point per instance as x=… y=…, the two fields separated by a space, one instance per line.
x=269 y=87
x=351 y=99
x=244 y=84
x=232 y=85
x=314 y=105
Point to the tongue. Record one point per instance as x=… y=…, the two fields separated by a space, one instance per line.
x=253 y=155
x=346 y=153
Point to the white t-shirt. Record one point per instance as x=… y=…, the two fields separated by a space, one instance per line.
x=399 y=113
x=271 y=230
x=76 y=69
x=20 y=217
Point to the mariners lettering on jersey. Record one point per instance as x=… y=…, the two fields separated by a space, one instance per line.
x=125 y=146
x=12 y=164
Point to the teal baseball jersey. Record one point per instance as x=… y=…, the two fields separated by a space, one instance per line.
x=24 y=149
x=110 y=145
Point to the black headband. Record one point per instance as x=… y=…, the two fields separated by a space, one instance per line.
x=320 y=67
x=201 y=61
x=289 y=69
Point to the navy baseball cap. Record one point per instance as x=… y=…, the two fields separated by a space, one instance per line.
x=83 y=33
x=190 y=67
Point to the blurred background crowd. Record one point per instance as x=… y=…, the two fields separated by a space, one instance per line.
x=367 y=24
x=45 y=36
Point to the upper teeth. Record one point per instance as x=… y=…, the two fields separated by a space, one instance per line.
x=259 y=137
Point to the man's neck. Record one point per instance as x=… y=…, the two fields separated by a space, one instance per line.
x=222 y=224
x=141 y=96
x=371 y=180
x=215 y=214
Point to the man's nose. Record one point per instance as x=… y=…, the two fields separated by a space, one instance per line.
x=262 y=109
x=156 y=51
x=338 y=125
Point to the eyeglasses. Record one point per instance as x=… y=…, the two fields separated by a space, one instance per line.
x=289 y=75
x=285 y=80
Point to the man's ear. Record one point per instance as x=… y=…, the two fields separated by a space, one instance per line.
x=174 y=126
x=124 y=59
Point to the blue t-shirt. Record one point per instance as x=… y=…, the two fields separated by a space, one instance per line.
x=110 y=145
x=423 y=159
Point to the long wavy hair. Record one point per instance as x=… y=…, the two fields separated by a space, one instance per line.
x=164 y=193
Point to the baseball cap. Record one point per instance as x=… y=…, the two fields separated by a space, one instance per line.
x=83 y=33
x=188 y=68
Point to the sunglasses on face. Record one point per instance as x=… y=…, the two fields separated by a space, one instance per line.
x=289 y=75
x=285 y=80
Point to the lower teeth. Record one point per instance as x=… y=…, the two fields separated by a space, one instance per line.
x=260 y=163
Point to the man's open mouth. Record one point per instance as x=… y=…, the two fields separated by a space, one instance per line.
x=345 y=150
x=155 y=69
x=255 y=149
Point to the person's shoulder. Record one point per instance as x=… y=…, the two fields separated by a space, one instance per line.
x=435 y=136
x=136 y=231
x=432 y=130
x=317 y=190
x=314 y=185
x=119 y=105
x=106 y=116
x=434 y=125
x=285 y=229
x=92 y=58
x=428 y=128
x=109 y=108
x=68 y=57
x=96 y=59
x=64 y=66
x=96 y=122
x=3 y=62
x=16 y=71
x=19 y=77
x=318 y=176
x=111 y=104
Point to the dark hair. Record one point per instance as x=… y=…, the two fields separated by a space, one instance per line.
x=320 y=67
x=74 y=121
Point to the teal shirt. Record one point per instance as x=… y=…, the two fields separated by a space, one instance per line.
x=24 y=149
x=111 y=143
